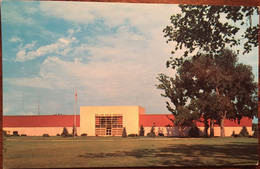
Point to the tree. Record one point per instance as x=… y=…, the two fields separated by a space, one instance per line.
x=217 y=86
x=65 y=132
x=152 y=133
x=141 y=132
x=74 y=131
x=210 y=29
x=244 y=132
x=206 y=70
x=124 y=134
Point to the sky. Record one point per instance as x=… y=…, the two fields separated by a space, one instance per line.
x=111 y=53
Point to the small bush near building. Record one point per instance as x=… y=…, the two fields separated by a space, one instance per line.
x=58 y=135
x=45 y=135
x=255 y=135
x=151 y=134
x=244 y=132
x=124 y=134
x=194 y=132
x=254 y=126
x=84 y=134
x=132 y=135
x=233 y=134
x=23 y=135
x=15 y=133
x=237 y=135
x=74 y=130
x=65 y=132
x=141 y=132
x=160 y=134
x=152 y=130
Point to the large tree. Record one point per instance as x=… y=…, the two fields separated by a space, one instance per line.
x=214 y=87
x=209 y=80
x=210 y=29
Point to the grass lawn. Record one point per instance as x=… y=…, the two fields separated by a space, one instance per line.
x=40 y=152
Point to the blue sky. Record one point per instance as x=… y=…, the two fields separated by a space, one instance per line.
x=111 y=52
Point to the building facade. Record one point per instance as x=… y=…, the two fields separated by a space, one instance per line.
x=109 y=121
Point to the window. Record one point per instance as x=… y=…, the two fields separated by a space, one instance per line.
x=108 y=124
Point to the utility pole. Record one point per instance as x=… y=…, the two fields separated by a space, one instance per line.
x=75 y=112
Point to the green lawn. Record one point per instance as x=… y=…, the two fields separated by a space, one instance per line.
x=39 y=152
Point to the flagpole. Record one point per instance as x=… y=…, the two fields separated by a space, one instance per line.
x=75 y=112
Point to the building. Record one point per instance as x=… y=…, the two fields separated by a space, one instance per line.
x=108 y=121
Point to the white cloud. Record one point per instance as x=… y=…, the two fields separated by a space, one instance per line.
x=15 y=39
x=117 y=69
x=13 y=14
x=143 y=16
x=121 y=71
x=62 y=47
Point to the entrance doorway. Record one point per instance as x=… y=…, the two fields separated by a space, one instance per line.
x=108 y=131
x=108 y=124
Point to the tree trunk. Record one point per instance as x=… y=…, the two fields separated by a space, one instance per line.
x=222 y=121
x=222 y=129
x=206 y=124
x=211 y=128
x=182 y=131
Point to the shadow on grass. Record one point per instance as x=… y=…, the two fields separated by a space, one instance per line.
x=234 y=153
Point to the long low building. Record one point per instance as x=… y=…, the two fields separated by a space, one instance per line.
x=108 y=121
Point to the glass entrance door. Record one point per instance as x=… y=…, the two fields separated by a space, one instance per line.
x=108 y=131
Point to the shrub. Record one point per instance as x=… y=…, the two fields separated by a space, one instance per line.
x=132 y=135
x=244 y=132
x=255 y=135
x=84 y=134
x=15 y=133
x=65 y=132
x=254 y=126
x=152 y=130
x=237 y=135
x=124 y=134
x=194 y=131
x=160 y=134
x=5 y=134
x=233 y=134
x=151 y=134
x=74 y=130
x=45 y=135
x=23 y=135
x=58 y=135
x=141 y=132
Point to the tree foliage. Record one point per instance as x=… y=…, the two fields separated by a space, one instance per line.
x=211 y=86
x=209 y=81
x=210 y=29
x=65 y=132
x=124 y=134
x=141 y=132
